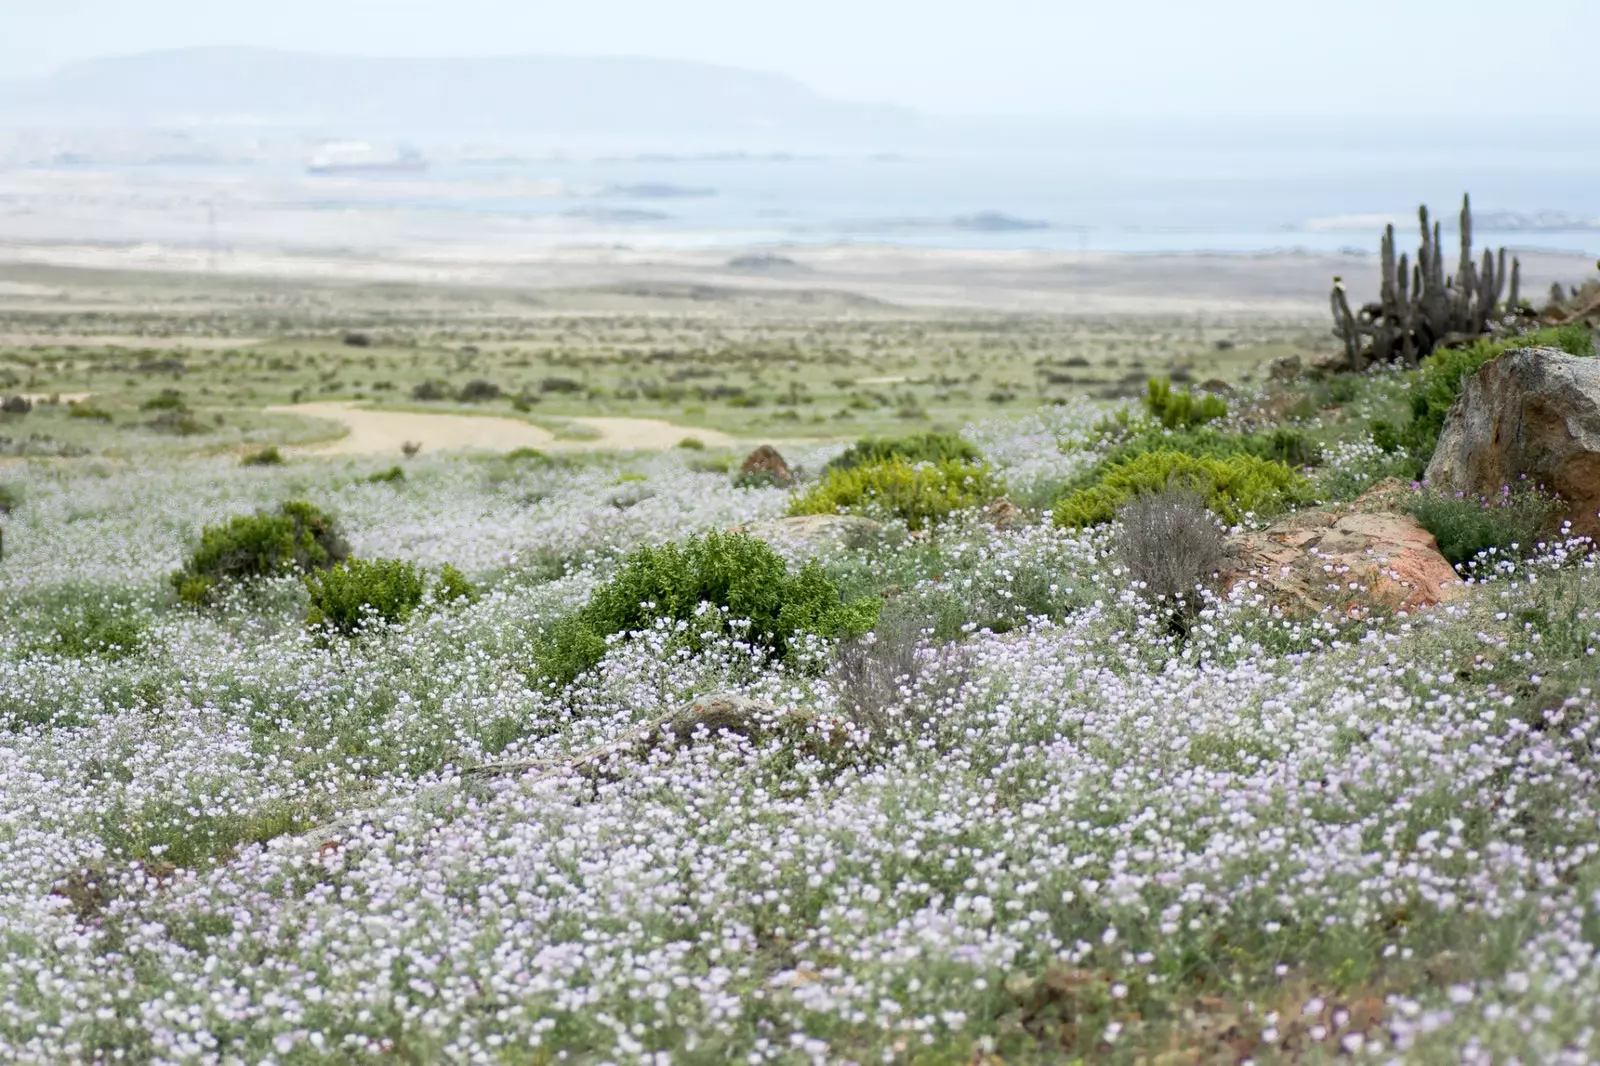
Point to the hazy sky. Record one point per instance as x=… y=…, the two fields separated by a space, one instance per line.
x=956 y=57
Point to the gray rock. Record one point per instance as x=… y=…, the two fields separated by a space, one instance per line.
x=1532 y=412
x=817 y=531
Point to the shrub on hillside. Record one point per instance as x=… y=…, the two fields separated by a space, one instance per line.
x=1176 y=409
x=359 y=592
x=916 y=448
x=737 y=574
x=10 y=498
x=386 y=477
x=1171 y=545
x=88 y=411
x=1442 y=375
x=921 y=494
x=298 y=538
x=1231 y=487
x=165 y=400
x=1286 y=444
x=1507 y=526
x=478 y=391
x=268 y=456
x=429 y=391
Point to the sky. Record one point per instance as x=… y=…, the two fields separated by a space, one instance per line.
x=989 y=58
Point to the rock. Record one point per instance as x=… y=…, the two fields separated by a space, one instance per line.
x=766 y=466
x=1215 y=386
x=816 y=531
x=1330 y=363
x=1311 y=559
x=1004 y=515
x=1534 y=413
x=1284 y=368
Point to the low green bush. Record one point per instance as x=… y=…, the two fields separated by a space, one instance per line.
x=921 y=494
x=916 y=448
x=268 y=456
x=166 y=400
x=453 y=587
x=298 y=538
x=10 y=498
x=1443 y=374
x=358 y=592
x=1176 y=409
x=738 y=574
x=88 y=411
x=95 y=629
x=386 y=477
x=1231 y=487
x=1286 y=444
x=1507 y=526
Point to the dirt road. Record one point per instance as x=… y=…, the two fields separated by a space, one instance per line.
x=370 y=432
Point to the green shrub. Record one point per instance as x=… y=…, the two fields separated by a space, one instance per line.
x=386 y=477
x=921 y=494
x=360 y=591
x=1508 y=526
x=1443 y=374
x=917 y=448
x=1231 y=487
x=1286 y=444
x=1182 y=410
x=10 y=498
x=298 y=538
x=737 y=573
x=453 y=587
x=166 y=400
x=89 y=411
x=268 y=456
x=95 y=629
x=1385 y=436
x=693 y=444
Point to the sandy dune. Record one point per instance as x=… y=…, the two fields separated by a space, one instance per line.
x=370 y=432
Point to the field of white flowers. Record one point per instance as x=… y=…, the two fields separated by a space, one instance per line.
x=1063 y=832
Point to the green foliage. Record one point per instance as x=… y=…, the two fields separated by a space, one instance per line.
x=268 y=456
x=358 y=592
x=298 y=538
x=1285 y=444
x=1385 y=436
x=1442 y=375
x=386 y=477
x=737 y=574
x=96 y=629
x=166 y=400
x=921 y=494
x=10 y=498
x=88 y=411
x=453 y=587
x=1182 y=410
x=916 y=448
x=1231 y=486
x=1508 y=526
x=693 y=444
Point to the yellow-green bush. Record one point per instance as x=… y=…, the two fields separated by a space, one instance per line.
x=1180 y=409
x=299 y=538
x=919 y=493
x=1232 y=486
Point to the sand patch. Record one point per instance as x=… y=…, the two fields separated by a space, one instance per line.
x=369 y=432
x=105 y=340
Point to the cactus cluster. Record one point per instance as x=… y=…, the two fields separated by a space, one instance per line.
x=1419 y=306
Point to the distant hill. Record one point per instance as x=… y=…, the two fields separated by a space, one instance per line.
x=600 y=96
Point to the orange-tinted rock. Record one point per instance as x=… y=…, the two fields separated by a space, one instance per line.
x=766 y=465
x=1322 y=558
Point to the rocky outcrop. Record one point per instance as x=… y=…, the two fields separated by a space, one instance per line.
x=1534 y=414
x=1344 y=559
x=816 y=531
x=1005 y=515
x=765 y=466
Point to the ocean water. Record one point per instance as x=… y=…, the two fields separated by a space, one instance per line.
x=1130 y=190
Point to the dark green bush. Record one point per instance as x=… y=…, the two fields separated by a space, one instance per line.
x=737 y=573
x=1182 y=410
x=1231 y=487
x=268 y=456
x=386 y=477
x=1508 y=526
x=10 y=498
x=358 y=592
x=299 y=538
x=1443 y=374
x=166 y=400
x=917 y=448
x=88 y=411
x=921 y=494
x=478 y=391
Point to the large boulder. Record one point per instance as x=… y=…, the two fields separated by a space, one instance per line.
x=1343 y=559
x=1532 y=413
x=765 y=466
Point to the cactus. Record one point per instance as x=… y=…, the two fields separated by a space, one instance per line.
x=1419 y=306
